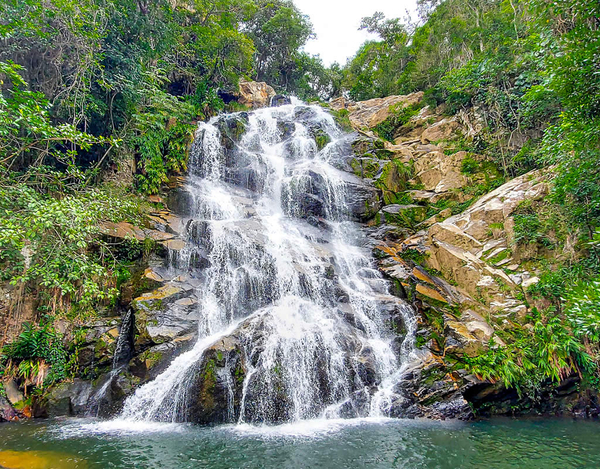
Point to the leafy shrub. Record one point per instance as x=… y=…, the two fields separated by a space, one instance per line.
x=37 y=356
x=549 y=351
x=55 y=244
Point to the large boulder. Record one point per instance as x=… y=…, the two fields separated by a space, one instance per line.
x=367 y=114
x=363 y=200
x=217 y=382
x=13 y=393
x=255 y=94
x=439 y=172
x=165 y=313
x=442 y=130
x=472 y=248
x=67 y=399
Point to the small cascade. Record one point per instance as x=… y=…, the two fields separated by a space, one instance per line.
x=125 y=342
x=123 y=352
x=295 y=320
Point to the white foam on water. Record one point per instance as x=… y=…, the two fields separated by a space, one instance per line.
x=314 y=428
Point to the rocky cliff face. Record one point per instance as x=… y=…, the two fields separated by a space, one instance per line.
x=445 y=234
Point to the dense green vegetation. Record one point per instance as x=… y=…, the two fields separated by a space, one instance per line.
x=37 y=357
x=97 y=88
x=529 y=72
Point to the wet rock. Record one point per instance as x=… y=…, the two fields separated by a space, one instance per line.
x=280 y=100
x=286 y=128
x=180 y=201
x=216 y=383
x=154 y=360
x=358 y=405
x=124 y=348
x=363 y=200
x=365 y=367
x=7 y=413
x=68 y=399
x=232 y=127
x=305 y=115
x=110 y=391
x=160 y=318
x=13 y=393
x=321 y=138
x=455 y=408
x=159 y=298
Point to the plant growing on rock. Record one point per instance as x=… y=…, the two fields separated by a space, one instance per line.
x=36 y=358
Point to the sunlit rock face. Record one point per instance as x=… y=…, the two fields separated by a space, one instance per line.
x=293 y=319
x=255 y=94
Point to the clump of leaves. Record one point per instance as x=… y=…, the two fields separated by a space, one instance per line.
x=469 y=165
x=549 y=351
x=37 y=357
x=55 y=244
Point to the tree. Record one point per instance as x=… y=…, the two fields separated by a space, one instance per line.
x=278 y=30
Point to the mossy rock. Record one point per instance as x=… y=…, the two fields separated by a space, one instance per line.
x=393 y=182
x=383 y=154
x=364 y=145
x=366 y=168
x=156 y=300
x=404 y=215
x=232 y=128
x=321 y=138
x=221 y=365
x=151 y=358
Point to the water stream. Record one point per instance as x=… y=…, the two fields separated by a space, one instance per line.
x=289 y=294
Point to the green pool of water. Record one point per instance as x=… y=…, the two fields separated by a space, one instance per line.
x=495 y=444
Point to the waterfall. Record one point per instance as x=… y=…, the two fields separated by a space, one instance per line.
x=295 y=321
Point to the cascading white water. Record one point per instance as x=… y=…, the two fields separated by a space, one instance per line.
x=287 y=292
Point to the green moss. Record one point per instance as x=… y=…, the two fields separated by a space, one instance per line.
x=469 y=165
x=151 y=358
x=210 y=376
x=413 y=255
x=431 y=375
x=501 y=256
x=398 y=116
x=321 y=138
x=342 y=120
x=239 y=373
